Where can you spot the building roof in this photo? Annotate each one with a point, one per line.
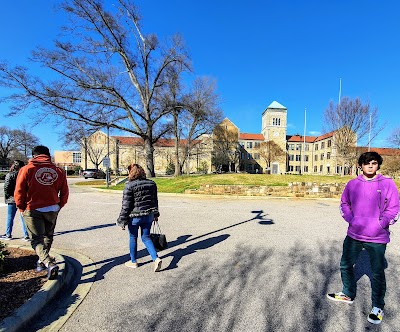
(255, 137)
(126, 140)
(381, 151)
(324, 136)
(299, 138)
(276, 105)
(309, 139)
(138, 141)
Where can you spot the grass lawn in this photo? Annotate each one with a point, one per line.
(180, 184)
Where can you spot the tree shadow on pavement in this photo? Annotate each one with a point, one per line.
(257, 289)
(259, 216)
(192, 248)
(86, 229)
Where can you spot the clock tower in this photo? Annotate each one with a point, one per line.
(274, 123)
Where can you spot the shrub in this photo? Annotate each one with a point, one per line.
(3, 254)
(170, 170)
(3, 176)
(203, 167)
(77, 170)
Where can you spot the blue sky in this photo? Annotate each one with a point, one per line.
(294, 52)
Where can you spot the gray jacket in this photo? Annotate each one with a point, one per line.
(9, 187)
(139, 199)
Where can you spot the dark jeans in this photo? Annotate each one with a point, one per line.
(41, 230)
(376, 252)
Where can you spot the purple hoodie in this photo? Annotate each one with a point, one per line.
(370, 206)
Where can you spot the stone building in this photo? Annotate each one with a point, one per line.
(244, 152)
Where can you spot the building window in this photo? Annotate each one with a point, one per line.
(322, 145)
(306, 157)
(256, 156)
(249, 145)
(290, 169)
(291, 146)
(291, 157)
(249, 156)
(307, 147)
(321, 168)
(298, 147)
(315, 169)
(76, 157)
(316, 147)
(328, 170)
(242, 155)
(276, 121)
(322, 156)
(328, 155)
(297, 168)
(298, 157)
(305, 169)
(241, 144)
(249, 167)
(316, 157)
(329, 143)
(257, 145)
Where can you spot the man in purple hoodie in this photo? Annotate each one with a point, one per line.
(370, 204)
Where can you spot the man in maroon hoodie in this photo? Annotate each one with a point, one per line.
(40, 192)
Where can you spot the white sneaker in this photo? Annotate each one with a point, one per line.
(132, 265)
(157, 264)
(376, 315)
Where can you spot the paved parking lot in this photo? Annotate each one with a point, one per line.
(238, 264)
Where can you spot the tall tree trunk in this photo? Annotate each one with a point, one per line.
(149, 150)
(176, 134)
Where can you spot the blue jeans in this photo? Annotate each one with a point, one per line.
(376, 252)
(144, 222)
(11, 211)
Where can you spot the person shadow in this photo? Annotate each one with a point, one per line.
(259, 216)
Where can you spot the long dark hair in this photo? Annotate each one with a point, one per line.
(16, 165)
(136, 172)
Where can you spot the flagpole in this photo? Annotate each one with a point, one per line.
(304, 142)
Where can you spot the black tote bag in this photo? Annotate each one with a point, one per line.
(157, 237)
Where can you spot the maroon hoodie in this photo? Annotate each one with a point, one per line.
(39, 184)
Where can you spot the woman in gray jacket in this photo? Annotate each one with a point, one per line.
(9, 187)
(139, 209)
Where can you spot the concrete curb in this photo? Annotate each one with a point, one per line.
(30, 309)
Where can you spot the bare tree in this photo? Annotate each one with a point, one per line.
(226, 147)
(108, 73)
(76, 136)
(7, 144)
(203, 113)
(25, 141)
(351, 121)
(270, 151)
(194, 114)
(394, 138)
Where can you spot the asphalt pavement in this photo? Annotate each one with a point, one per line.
(233, 264)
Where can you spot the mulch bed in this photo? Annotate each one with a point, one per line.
(19, 281)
